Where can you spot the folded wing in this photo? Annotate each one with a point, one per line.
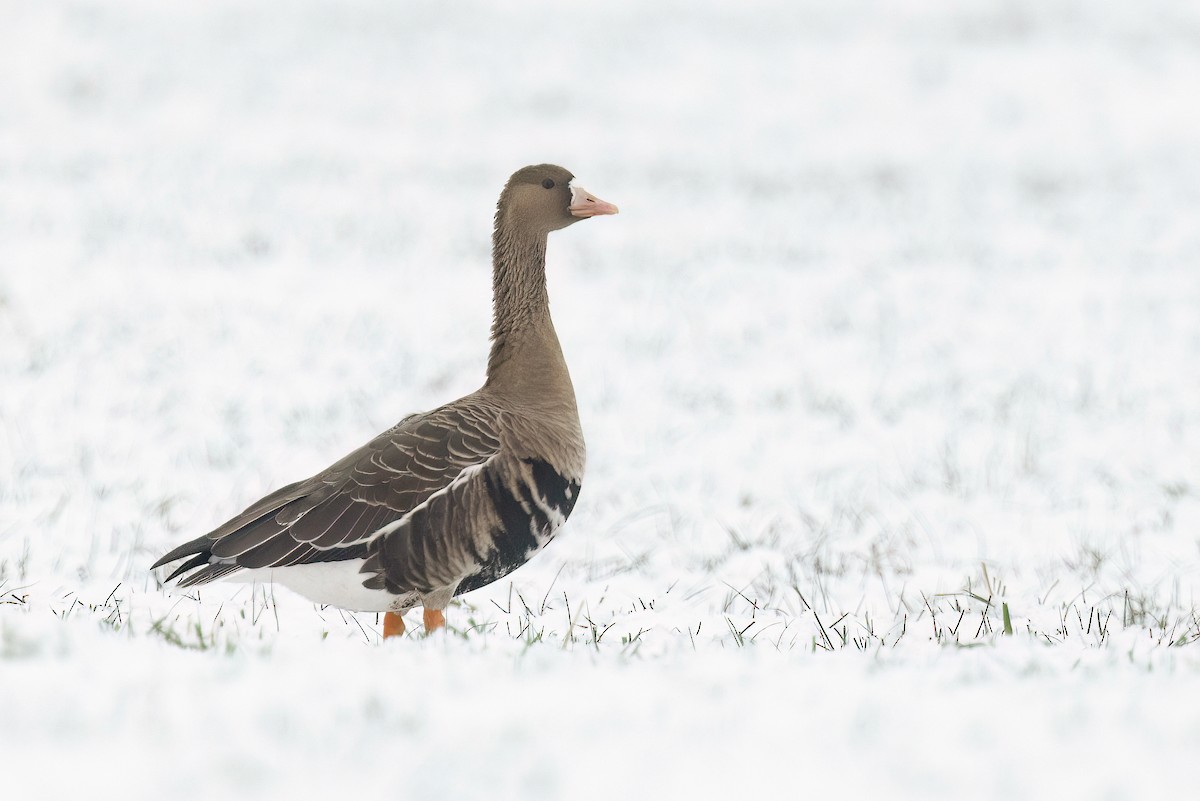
(336, 514)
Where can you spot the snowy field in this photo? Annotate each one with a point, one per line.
(889, 370)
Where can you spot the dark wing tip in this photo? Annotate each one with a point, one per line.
(200, 549)
(196, 546)
(196, 561)
(201, 544)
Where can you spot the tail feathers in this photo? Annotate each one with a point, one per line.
(209, 573)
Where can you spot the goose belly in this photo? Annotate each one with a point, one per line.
(337, 584)
(530, 511)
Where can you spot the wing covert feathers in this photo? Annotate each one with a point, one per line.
(335, 513)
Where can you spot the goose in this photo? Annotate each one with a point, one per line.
(449, 500)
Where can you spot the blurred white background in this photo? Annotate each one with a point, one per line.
(898, 323)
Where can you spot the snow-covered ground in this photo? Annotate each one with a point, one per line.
(898, 332)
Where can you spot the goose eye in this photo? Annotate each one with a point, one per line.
(548, 183)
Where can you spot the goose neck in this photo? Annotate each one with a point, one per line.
(526, 359)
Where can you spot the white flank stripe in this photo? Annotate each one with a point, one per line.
(464, 475)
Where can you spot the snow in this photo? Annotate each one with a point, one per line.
(897, 330)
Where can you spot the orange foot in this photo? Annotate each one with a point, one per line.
(434, 620)
(393, 624)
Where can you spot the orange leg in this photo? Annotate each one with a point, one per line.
(434, 620)
(393, 624)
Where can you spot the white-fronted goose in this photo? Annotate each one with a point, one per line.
(449, 500)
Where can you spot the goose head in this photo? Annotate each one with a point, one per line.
(544, 197)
